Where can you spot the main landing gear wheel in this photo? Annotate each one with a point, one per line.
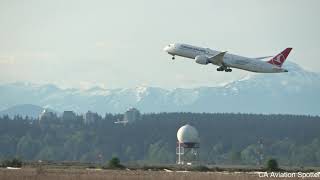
(223, 68)
(173, 57)
(220, 69)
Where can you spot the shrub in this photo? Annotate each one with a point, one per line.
(201, 168)
(272, 165)
(15, 162)
(92, 167)
(114, 163)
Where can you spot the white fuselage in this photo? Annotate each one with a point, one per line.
(229, 60)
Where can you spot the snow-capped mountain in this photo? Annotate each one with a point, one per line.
(295, 92)
(23, 110)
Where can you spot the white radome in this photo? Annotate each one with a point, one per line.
(188, 134)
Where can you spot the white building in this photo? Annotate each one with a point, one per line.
(90, 117)
(68, 115)
(46, 114)
(131, 115)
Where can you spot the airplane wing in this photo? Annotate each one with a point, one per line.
(264, 57)
(218, 59)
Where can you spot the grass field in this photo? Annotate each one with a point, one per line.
(92, 174)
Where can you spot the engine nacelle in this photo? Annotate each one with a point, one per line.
(202, 60)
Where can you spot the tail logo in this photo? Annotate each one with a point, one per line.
(279, 59)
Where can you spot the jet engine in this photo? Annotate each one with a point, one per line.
(202, 60)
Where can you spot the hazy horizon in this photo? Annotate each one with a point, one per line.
(118, 44)
(85, 87)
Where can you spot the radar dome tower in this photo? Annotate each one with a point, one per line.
(188, 145)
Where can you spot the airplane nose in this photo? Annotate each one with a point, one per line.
(166, 49)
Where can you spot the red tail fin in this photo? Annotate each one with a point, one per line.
(279, 59)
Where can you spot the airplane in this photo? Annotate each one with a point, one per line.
(226, 61)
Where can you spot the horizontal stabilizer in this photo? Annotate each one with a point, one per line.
(264, 57)
(217, 59)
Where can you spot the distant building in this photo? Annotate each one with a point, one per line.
(131, 115)
(68, 115)
(46, 114)
(90, 117)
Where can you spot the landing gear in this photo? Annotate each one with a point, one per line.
(223, 68)
(220, 68)
(173, 58)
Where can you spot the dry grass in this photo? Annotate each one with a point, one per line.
(82, 174)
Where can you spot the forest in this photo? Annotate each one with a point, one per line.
(225, 138)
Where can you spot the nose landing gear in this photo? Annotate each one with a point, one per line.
(173, 58)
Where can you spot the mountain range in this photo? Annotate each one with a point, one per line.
(295, 92)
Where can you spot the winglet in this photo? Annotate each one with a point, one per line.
(279, 59)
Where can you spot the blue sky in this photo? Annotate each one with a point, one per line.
(114, 44)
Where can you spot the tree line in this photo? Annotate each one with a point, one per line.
(225, 138)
